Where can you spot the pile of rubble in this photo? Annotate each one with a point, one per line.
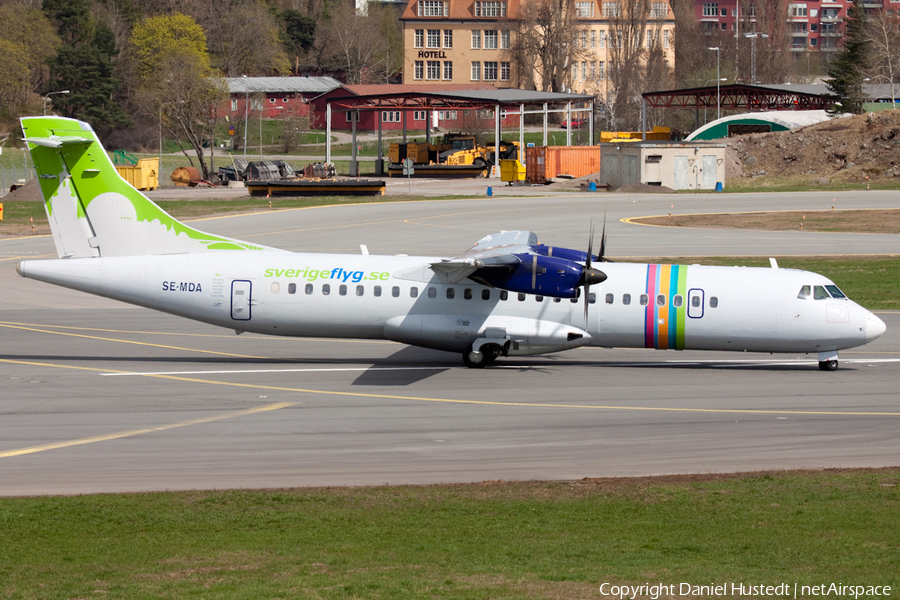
(850, 149)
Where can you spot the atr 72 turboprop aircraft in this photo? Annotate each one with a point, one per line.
(507, 295)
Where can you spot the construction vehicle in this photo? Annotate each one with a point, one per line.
(454, 155)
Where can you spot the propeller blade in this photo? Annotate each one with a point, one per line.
(587, 264)
(603, 239)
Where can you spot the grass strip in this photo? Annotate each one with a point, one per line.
(498, 540)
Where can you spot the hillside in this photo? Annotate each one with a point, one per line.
(851, 149)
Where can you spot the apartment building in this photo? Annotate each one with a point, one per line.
(812, 25)
(469, 41)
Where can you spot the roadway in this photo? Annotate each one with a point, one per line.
(97, 396)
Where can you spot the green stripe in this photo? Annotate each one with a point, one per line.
(682, 310)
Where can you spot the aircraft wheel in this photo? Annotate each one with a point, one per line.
(479, 360)
(828, 365)
(475, 360)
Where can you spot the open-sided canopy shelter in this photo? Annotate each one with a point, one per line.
(512, 101)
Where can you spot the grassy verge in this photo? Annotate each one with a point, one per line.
(804, 184)
(872, 281)
(497, 540)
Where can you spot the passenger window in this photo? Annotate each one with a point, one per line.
(451, 293)
(413, 292)
(644, 299)
(485, 294)
(574, 300)
(819, 293)
(395, 291)
(376, 291)
(292, 288)
(557, 299)
(521, 297)
(326, 289)
(342, 290)
(539, 298)
(360, 290)
(592, 298)
(504, 295)
(626, 299)
(275, 287)
(677, 301)
(713, 302)
(467, 293)
(309, 289)
(835, 292)
(804, 293)
(610, 298)
(432, 293)
(660, 300)
(695, 301)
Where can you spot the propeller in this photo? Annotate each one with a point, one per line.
(590, 275)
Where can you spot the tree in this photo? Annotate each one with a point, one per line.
(177, 83)
(363, 48)
(87, 71)
(72, 19)
(30, 30)
(884, 46)
(545, 44)
(14, 76)
(848, 69)
(243, 37)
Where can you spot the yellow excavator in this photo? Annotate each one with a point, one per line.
(454, 155)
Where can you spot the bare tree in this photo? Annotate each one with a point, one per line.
(242, 37)
(546, 44)
(884, 50)
(637, 60)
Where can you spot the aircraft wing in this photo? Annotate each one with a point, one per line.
(495, 251)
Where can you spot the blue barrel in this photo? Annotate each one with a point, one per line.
(490, 191)
(593, 186)
(719, 187)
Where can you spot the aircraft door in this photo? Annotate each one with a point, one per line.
(695, 303)
(241, 292)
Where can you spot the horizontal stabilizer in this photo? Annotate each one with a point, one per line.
(57, 141)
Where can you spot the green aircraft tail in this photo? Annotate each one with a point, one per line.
(92, 210)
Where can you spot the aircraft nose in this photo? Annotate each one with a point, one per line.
(875, 327)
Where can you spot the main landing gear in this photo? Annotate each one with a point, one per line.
(485, 355)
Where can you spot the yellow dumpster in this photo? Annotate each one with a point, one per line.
(511, 170)
(144, 175)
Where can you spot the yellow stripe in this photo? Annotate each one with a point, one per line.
(123, 434)
(94, 337)
(199, 335)
(119, 435)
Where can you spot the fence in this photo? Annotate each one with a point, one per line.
(10, 176)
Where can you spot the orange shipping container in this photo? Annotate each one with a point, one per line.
(545, 162)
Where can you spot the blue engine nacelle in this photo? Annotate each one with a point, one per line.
(541, 275)
(564, 253)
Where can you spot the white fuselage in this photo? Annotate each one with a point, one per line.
(400, 298)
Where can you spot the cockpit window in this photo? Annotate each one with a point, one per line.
(835, 292)
(819, 293)
(804, 292)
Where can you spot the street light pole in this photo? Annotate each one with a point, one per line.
(48, 96)
(159, 168)
(246, 112)
(753, 37)
(718, 82)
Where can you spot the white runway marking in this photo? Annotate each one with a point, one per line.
(282, 371)
(713, 363)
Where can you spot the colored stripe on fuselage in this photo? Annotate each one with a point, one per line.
(664, 325)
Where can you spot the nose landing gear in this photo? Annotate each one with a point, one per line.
(828, 361)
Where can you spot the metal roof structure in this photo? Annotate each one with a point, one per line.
(455, 99)
(279, 85)
(514, 101)
(745, 97)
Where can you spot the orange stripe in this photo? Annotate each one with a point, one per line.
(662, 320)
